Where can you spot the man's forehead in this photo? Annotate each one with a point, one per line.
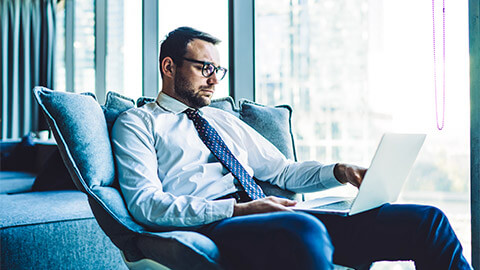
(202, 50)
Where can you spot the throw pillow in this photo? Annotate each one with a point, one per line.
(274, 123)
(80, 129)
(115, 104)
(144, 100)
(227, 104)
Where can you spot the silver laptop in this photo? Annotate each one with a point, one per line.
(383, 181)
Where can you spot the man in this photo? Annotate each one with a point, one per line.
(184, 165)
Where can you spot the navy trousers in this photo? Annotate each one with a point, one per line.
(285, 240)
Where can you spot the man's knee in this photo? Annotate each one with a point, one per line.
(429, 217)
(301, 227)
(427, 224)
(415, 214)
(304, 239)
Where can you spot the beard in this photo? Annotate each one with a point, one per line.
(185, 90)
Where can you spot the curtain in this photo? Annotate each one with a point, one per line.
(27, 57)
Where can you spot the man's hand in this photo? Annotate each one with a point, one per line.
(265, 205)
(352, 174)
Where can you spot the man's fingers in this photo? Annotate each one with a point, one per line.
(282, 201)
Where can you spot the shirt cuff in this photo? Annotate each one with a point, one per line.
(220, 209)
(329, 180)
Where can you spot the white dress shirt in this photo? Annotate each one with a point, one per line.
(170, 178)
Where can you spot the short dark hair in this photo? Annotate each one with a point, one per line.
(175, 43)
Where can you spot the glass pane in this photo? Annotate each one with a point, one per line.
(354, 69)
(124, 48)
(211, 18)
(84, 46)
(59, 72)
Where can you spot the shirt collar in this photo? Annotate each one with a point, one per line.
(170, 104)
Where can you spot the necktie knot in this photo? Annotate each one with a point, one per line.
(191, 114)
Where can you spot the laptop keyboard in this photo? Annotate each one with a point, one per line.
(343, 205)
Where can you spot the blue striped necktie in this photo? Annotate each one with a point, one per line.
(220, 150)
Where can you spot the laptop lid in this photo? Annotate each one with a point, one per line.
(388, 171)
(384, 179)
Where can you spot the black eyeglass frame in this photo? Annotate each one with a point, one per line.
(205, 72)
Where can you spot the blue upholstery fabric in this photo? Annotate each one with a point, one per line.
(144, 100)
(226, 104)
(274, 123)
(56, 224)
(16, 182)
(16, 209)
(80, 127)
(115, 104)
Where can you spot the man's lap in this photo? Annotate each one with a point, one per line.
(281, 240)
(390, 232)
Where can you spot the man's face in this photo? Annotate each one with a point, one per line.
(190, 86)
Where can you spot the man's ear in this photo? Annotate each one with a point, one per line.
(168, 66)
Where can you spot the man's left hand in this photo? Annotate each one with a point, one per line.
(346, 173)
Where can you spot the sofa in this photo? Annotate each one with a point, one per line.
(60, 205)
(46, 227)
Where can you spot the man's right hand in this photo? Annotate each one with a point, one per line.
(265, 205)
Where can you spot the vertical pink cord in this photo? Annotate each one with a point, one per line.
(439, 126)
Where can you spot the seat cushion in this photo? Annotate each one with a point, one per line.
(16, 182)
(35, 226)
(42, 207)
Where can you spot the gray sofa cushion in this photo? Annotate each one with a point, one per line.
(115, 104)
(274, 123)
(48, 206)
(226, 104)
(16, 182)
(53, 230)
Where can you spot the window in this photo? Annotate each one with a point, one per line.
(353, 70)
(75, 67)
(84, 46)
(211, 18)
(60, 72)
(124, 48)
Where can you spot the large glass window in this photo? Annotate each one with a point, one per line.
(354, 69)
(84, 46)
(124, 48)
(60, 72)
(211, 18)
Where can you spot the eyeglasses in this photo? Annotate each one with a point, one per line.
(208, 68)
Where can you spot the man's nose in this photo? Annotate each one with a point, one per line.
(212, 80)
